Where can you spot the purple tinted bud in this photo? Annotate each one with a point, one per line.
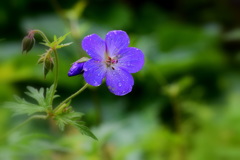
(28, 42)
(76, 69)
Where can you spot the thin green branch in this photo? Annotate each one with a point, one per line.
(23, 123)
(56, 75)
(42, 34)
(72, 96)
(28, 120)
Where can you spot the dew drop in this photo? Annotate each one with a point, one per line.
(95, 83)
(119, 84)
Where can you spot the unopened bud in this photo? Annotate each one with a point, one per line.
(77, 67)
(48, 65)
(28, 42)
(47, 61)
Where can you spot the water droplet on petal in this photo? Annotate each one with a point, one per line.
(119, 84)
(95, 83)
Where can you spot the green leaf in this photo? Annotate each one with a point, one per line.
(85, 130)
(56, 42)
(21, 106)
(45, 43)
(38, 95)
(50, 91)
(70, 117)
(64, 45)
(54, 37)
(67, 118)
(62, 38)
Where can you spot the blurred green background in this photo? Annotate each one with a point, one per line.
(185, 104)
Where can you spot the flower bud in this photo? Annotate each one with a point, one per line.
(28, 42)
(48, 66)
(47, 61)
(77, 67)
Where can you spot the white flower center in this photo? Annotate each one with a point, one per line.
(110, 62)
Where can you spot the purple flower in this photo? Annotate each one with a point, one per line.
(77, 68)
(113, 60)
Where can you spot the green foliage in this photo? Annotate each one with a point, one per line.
(63, 116)
(85, 130)
(21, 106)
(56, 42)
(70, 117)
(40, 96)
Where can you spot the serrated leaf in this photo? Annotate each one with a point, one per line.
(85, 130)
(45, 43)
(50, 91)
(40, 97)
(56, 43)
(54, 37)
(64, 45)
(72, 118)
(21, 106)
(67, 118)
(62, 38)
(37, 95)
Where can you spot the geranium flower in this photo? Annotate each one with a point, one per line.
(113, 60)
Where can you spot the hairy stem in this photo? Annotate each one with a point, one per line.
(41, 34)
(56, 62)
(56, 75)
(23, 123)
(71, 97)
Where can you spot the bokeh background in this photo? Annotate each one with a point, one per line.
(185, 104)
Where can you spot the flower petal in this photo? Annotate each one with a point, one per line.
(94, 46)
(131, 59)
(94, 72)
(119, 81)
(76, 69)
(115, 41)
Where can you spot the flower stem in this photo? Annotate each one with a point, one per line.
(42, 34)
(71, 97)
(23, 123)
(29, 119)
(56, 61)
(56, 75)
